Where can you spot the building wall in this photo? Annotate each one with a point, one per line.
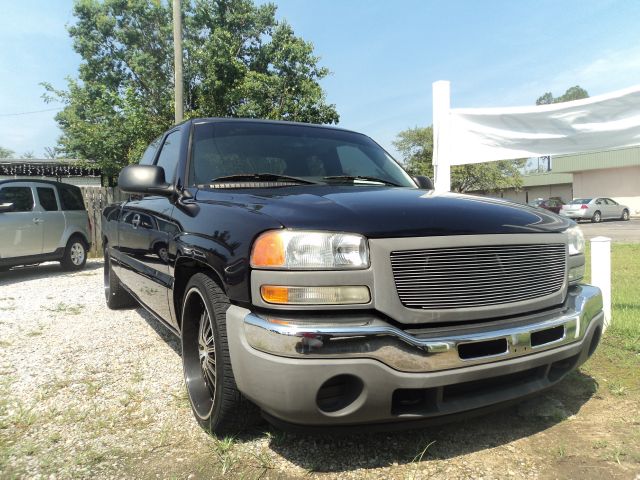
(527, 194)
(621, 184)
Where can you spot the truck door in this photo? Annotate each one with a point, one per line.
(144, 233)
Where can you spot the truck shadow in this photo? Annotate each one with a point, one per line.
(163, 332)
(338, 453)
(45, 270)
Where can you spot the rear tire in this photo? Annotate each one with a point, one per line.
(75, 254)
(625, 215)
(597, 217)
(116, 296)
(216, 402)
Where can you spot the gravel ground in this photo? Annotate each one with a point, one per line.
(87, 392)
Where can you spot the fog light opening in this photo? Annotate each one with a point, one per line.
(338, 393)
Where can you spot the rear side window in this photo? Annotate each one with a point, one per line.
(169, 155)
(47, 199)
(70, 198)
(21, 197)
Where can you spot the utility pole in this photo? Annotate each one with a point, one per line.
(177, 60)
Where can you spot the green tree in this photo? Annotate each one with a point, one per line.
(6, 153)
(50, 153)
(416, 147)
(574, 93)
(28, 154)
(239, 61)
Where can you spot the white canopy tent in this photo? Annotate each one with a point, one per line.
(475, 135)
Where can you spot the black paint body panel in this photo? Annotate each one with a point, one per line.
(216, 227)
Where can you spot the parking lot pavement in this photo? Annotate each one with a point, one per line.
(617, 230)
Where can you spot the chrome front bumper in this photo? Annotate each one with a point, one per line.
(355, 335)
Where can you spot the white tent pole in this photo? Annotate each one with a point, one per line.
(441, 138)
(601, 273)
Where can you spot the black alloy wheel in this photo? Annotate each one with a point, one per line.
(215, 400)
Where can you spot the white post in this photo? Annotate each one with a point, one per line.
(441, 138)
(601, 273)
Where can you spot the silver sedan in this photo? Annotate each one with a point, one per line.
(595, 209)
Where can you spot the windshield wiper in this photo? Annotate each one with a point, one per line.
(269, 177)
(360, 177)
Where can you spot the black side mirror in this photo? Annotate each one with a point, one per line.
(6, 207)
(423, 183)
(144, 179)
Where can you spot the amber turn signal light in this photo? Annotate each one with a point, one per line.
(268, 251)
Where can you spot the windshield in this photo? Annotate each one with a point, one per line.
(318, 155)
(578, 201)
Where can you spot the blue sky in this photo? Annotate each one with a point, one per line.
(384, 57)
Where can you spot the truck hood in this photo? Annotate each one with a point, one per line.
(379, 212)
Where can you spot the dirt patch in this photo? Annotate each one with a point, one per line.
(85, 391)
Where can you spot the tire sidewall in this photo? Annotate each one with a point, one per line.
(67, 262)
(625, 215)
(597, 217)
(197, 282)
(108, 273)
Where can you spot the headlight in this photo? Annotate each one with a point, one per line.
(576, 240)
(305, 250)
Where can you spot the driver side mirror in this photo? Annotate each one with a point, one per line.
(144, 179)
(423, 183)
(6, 207)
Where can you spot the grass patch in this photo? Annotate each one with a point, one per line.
(62, 307)
(625, 295)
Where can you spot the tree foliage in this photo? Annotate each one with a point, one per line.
(574, 93)
(6, 153)
(416, 147)
(239, 61)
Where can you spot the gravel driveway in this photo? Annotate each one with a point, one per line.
(87, 392)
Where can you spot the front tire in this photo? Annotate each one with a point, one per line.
(625, 215)
(216, 402)
(75, 254)
(116, 296)
(597, 217)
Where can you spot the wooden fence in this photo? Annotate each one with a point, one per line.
(95, 199)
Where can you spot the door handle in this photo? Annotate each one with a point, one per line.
(38, 220)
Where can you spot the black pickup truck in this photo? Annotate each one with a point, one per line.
(312, 280)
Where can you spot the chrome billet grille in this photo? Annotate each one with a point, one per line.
(467, 277)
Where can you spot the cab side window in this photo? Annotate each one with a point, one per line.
(21, 197)
(47, 199)
(169, 155)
